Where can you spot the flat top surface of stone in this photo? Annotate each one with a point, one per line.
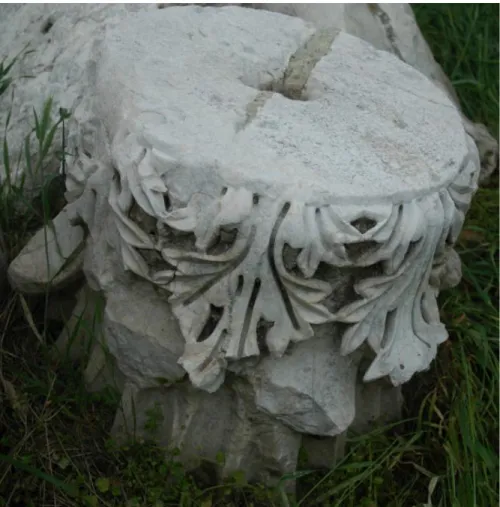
(369, 127)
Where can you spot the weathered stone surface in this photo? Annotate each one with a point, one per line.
(447, 274)
(393, 28)
(52, 257)
(223, 429)
(404, 106)
(311, 389)
(88, 192)
(62, 37)
(140, 330)
(487, 147)
(54, 44)
(390, 140)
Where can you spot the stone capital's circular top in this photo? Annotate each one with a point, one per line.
(232, 96)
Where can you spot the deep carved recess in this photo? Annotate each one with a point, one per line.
(257, 262)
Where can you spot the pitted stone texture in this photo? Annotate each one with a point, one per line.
(393, 28)
(449, 273)
(102, 263)
(52, 258)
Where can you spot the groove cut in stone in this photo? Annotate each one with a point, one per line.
(211, 323)
(364, 224)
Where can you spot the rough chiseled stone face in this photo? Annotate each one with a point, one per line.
(270, 206)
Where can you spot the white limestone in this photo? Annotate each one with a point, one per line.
(225, 170)
(220, 82)
(53, 43)
(270, 210)
(311, 389)
(146, 340)
(60, 38)
(51, 259)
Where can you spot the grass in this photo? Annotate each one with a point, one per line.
(464, 40)
(54, 445)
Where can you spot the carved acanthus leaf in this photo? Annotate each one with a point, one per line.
(398, 314)
(248, 281)
(235, 264)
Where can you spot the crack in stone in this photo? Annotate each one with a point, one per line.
(295, 76)
(384, 18)
(253, 108)
(303, 61)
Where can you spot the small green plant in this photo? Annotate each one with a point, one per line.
(21, 213)
(6, 68)
(154, 417)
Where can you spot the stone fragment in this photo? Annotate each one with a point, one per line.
(310, 389)
(223, 430)
(449, 272)
(142, 334)
(391, 141)
(487, 146)
(291, 193)
(51, 259)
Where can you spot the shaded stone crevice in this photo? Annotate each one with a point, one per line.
(253, 108)
(303, 62)
(389, 31)
(296, 75)
(301, 65)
